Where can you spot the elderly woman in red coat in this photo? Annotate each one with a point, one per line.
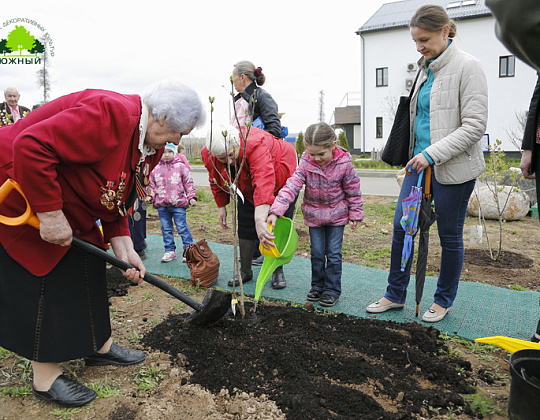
(269, 163)
(76, 159)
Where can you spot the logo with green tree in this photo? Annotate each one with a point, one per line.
(19, 40)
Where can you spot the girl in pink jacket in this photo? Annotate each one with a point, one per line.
(332, 199)
(172, 192)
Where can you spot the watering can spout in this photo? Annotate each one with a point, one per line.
(286, 242)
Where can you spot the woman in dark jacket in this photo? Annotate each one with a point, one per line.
(251, 103)
(518, 27)
(257, 101)
(530, 158)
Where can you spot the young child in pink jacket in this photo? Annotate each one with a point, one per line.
(332, 199)
(172, 192)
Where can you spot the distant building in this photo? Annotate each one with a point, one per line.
(349, 119)
(389, 67)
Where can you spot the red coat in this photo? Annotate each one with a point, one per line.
(269, 163)
(62, 155)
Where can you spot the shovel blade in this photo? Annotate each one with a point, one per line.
(214, 306)
(509, 344)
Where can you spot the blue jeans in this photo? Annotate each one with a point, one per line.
(166, 216)
(326, 258)
(451, 205)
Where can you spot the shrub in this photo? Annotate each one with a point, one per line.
(300, 146)
(342, 141)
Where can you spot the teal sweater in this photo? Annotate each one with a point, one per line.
(421, 122)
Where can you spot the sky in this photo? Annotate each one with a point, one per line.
(303, 48)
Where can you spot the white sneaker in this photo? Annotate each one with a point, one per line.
(169, 256)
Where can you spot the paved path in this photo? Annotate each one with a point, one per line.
(375, 182)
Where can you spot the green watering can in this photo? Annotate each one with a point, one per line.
(286, 242)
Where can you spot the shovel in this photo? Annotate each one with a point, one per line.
(213, 307)
(509, 344)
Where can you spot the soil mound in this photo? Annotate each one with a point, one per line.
(320, 366)
(508, 259)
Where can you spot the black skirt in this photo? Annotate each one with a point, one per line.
(61, 316)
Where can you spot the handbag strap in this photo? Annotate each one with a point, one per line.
(414, 84)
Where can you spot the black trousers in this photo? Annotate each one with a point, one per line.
(58, 317)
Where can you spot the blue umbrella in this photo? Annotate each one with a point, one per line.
(409, 220)
(425, 219)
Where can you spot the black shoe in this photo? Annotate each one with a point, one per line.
(117, 356)
(278, 279)
(142, 254)
(534, 339)
(245, 278)
(328, 300)
(314, 295)
(258, 261)
(66, 392)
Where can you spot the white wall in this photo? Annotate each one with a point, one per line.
(395, 48)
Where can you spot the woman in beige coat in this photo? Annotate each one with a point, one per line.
(448, 120)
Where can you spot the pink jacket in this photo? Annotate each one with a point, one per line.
(171, 184)
(183, 159)
(332, 196)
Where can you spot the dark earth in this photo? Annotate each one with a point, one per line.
(321, 367)
(318, 365)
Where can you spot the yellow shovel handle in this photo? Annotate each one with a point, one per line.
(28, 217)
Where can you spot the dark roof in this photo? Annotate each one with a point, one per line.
(398, 14)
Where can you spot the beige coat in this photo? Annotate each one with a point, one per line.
(458, 115)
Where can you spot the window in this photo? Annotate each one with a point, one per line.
(379, 128)
(382, 76)
(507, 66)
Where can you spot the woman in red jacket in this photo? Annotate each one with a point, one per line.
(76, 158)
(269, 163)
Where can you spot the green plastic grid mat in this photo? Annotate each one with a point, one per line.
(480, 310)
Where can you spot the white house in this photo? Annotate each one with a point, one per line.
(389, 59)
